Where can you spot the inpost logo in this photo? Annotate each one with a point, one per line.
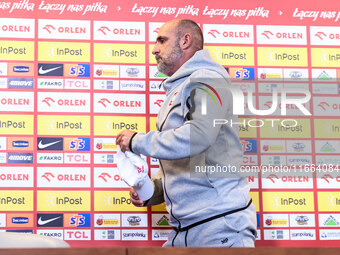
(15, 200)
(16, 124)
(63, 125)
(288, 201)
(61, 51)
(111, 126)
(119, 53)
(329, 201)
(322, 57)
(63, 200)
(14, 50)
(114, 201)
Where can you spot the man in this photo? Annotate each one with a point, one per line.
(205, 209)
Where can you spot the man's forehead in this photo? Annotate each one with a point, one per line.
(167, 29)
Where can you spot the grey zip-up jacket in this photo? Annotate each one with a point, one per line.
(187, 139)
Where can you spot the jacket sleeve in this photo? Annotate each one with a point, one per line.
(195, 135)
(158, 195)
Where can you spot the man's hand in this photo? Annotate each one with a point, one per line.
(123, 139)
(135, 198)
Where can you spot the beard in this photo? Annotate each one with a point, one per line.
(166, 63)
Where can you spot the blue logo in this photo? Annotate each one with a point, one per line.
(20, 220)
(80, 144)
(80, 70)
(249, 146)
(21, 69)
(20, 83)
(245, 74)
(20, 158)
(20, 144)
(81, 220)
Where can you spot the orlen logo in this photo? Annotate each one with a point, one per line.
(49, 28)
(106, 177)
(213, 32)
(159, 102)
(320, 35)
(104, 102)
(104, 29)
(267, 34)
(272, 178)
(325, 106)
(328, 178)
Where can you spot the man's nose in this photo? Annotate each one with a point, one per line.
(155, 49)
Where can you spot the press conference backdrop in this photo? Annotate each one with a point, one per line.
(75, 73)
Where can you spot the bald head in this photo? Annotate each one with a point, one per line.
(184, 26)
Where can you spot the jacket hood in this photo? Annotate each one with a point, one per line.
(200, 60)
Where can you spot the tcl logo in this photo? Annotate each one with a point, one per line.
(106, 176)
(77, 235)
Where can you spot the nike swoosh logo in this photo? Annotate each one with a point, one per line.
(42, 71)
(43, 146)
(44, 222)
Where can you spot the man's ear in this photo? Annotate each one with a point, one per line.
(186, 41)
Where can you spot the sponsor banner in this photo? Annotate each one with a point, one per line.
(50, 69)
(266, 103)
(112, 125)
(77, 70)
(119, 53)
(329, 201)
(327, 128)
(104, 144)
(77, 158)
(64, 125)
(50, 158)
(299, 146)
(159, 208)
(302, 220)
(290, 74)
(50, 83)
(331, 162)
(232, 56)
(108, 177)
(50, 143)
(154, 161)
(107, 220)
(333, 89)
(17, 50)
(77, 144)
(256, 201)
(325, 57)
(329, 234)
(249, 146)
(19, 220)
(324, 75)
(134, 235)
(114, 201)
(153, 30)
(134, 220)
(160, 234)
(104, 158)
(3, 82)
(16, 176)
(119, 30)
(63, 200)
(154, 73)
(64, 29)
(270, 74)
(132, 85)
(287, 180)
(160, 220)
(64, 51)
(250, 160)
(276, 234)
(79, 84)
(329, 220)
(156, 102)
(270, 87)
(327, 178)
(71, 177)
(20, 83)
(77, 234)
(228, 34)
(242, 73)
(278, 56)
(302, 234)
(155, 86)
(299, 160)
(59, 234)
(110, 71)
(20, 102)
(20, 69)
(273, 146)
(3, 69)
(324, 35)
(19, 158)
(253, 181)
(2, 220)
(48, 220)
(119, 103)
(132, 72)
(16, 28)
(63, 102)
(327, 146)
(246, 131)
(19, 143)
(22, 231)
(108, 84)
(273, 160)
(326, 106)
(3, 158)
(286, 128)
(287, 35)
(245, 87)
(82, 220)
(106, 234)
(288, 201)
(16, 200)
(3, 144)
(275, 220)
